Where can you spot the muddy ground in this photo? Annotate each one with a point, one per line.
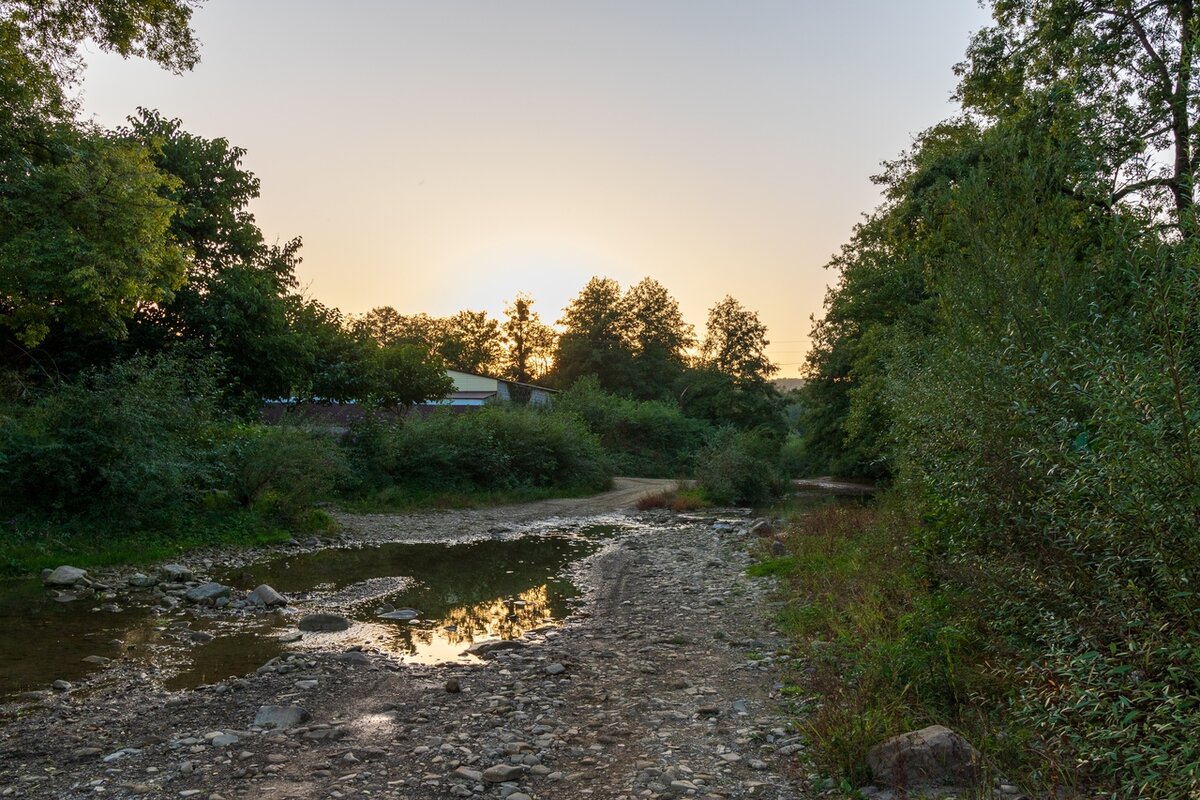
(664, 683)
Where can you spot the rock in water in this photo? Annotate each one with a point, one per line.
(933, 756)
(492, 646)
(265, 595)
(323, 622)
(280, 716)
(175, 573)
(64, 576)
(401, 614)
(207, 593)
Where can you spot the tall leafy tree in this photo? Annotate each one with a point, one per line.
(595, 337)
(658, 336)
(471, 341)
(529, 342)
(1125, 70)
(735, 343)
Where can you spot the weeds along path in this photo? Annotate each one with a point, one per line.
(663, 684)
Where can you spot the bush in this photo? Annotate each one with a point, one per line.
(738, 468)
(648, 439)
(495, 449)
(281, 471)
(134, 445)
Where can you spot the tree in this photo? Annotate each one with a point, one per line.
(1122, 72)
(213, 194)
(658, 336)
(528, 341)
(471, 342)
(405, 374)
(595, 339)
(735, 344)
(84, 237)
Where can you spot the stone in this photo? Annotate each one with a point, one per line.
(932, 756)
(555, 669)
(323, 623)
(224, 740)
(452, 686)
(401, 614)
(264, 595)
(292, 636)
(61, 686)
(99, 661)
(207, 593)
(761, 528)
(306, 685)
(493, 646)
(174, 573)
(280, 716)
(139, 581)
(64, 576)
(352, 657)
(473, 775)
(502, 772)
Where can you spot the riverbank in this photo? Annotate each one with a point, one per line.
(664, 681)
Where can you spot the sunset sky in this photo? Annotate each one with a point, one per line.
(447, 154)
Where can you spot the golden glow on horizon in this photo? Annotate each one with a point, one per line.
(436, 157)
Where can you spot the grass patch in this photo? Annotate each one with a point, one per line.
(679, 499)
(402, 498)
(31, 550)
(781, 567)
(883, 651)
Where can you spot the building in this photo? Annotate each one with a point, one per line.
(477, 390)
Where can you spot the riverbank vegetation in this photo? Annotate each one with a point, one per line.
(1012, 344)
(145, 319)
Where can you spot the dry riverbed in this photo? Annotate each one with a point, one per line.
(662, 683)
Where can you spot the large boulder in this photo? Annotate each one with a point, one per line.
(64, 576)
(933, 756)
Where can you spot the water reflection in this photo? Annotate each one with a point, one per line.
(465, 593)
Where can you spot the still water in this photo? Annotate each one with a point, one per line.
(462, 593)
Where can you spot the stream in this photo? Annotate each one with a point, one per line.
(461, 592)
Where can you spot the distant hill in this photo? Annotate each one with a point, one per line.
(787, 384)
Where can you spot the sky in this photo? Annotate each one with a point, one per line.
(448, 154)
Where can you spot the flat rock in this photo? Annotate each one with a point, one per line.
(139, 581)
(280, 716)
(64, 576)
(493, 646)
(502, 772)
(175, 573)
(323, 623)
(207, 592)
(401, 614)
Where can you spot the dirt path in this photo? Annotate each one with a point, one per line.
(663, 684)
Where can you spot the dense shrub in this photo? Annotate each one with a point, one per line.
(281, 471)
(134, 445)
(642, 438)
(497, 448)
(739, 468)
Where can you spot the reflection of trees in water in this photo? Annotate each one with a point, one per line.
(501, 617)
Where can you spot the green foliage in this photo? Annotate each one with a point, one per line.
(281, 472)
(642, 438)
(497, 448)
(83, 237)
(739, 468)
